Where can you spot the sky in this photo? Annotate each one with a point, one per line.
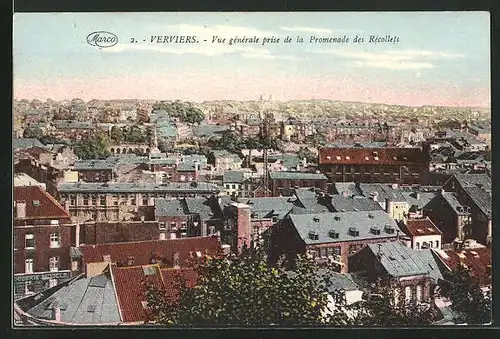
(441, 58)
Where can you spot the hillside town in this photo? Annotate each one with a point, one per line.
(110, 193)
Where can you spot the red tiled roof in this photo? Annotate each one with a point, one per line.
(368, 156)
(36, 151)
(143, 252)
(423, 226)
(477, 261)
(131, 293)
(48, 208)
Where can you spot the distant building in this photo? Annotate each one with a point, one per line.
(283, 183)
(371, 165)
(423, 233)
(236, 184)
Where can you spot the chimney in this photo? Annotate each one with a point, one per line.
(394, 186)
(375, 196)
(417, 195)
(441, 191)
(66, 205)
(379, 253)
(56, 313)
(21, 209)
(77, 235)
(388, 206)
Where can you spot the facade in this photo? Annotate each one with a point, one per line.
(423, 233)
(377, 164)
(43, 235)
(225, 161)
(124, 201)
(332, 237)
(284, 183)
(236, 184)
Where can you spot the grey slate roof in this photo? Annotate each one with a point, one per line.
(23, 143)
(341, 222)
(78, 297)
(385, 191)
(233, 177)
(169, 208)
(342, 282)
(340, 203)
(200, 206)
(186, 167)
(453, 202)
(289, 160)
(423, 198)
(349, 187)
(73, 124)
(117, 187)
(399, 260)
(481, 198)
(296, 176)
(468, 180)
(261, 208)
(112, 162)
(225, 154)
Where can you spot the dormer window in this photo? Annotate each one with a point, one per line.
(367, 158)
(389, 229)
(338, 157)
(376, 158)
(375, 230)
(36, 203)
(333, 234)
(347, 158)
(328, 157)
(313, 235)
(353, 232)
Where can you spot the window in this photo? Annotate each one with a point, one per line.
(54, 264)
(133, 202)
(162, 236)
(102, 200)
(173, 224)
(54, 240)
(430, 244)
(29, 288)
(28, 265)
(183, 225)
(176, 259)
(407, 293)
(145, 201)
(437, 244)
(52, 283)
(72, 200)
(74, 265)
(85, 200)
(94, 200)
(36, 203)
(417, 245)
(29, 241)
(419, 293)
(211, 230)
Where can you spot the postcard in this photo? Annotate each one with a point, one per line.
(251, 169)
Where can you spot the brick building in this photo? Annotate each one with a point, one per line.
(43, 235)
(374, 164)
(284, 183)
(332, 237)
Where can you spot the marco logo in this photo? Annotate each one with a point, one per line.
(102, 39)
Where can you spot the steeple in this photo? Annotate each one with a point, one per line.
(155, 148)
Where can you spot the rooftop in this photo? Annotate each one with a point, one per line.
(23, 143)
(420, 227)
(233, 177)
(372, 156)
(296, 176)
(170, 208)
(399, 260)
(476, 260)
(118, 187)
(39, 203)
(348, 226)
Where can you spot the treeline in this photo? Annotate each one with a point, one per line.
(185, 111)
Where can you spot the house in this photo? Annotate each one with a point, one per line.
(331, 237)
(283, 183)
(474, 191)
(236, 184)
(450, 216)
(416, 271)
(422, 232)
(102, 232)
(43, 235)
(22, 179)
(225, 161)
(374, 164)
(25, 143)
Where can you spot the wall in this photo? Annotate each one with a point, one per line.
(426, 238)
(109, 232)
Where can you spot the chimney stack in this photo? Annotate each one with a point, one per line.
(56, 313)
(21, 209)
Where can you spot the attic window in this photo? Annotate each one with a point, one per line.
(313, 235)
(36, 202)
(338, 157)
(328, 157)
(375, 230)
(370, 215)
(91, 308)
(353, 231)
(337, 218)
(347, 158)
(148, 270)
(130, 261)
(367, 158)
(106, 258)
(389, 229)
(333, 234)
(405, 158)
(394, 158)
(316, 219)
(198, 254)
(376, 158)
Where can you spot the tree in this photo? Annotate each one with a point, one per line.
(308, 154)
(383, 305)
(117, 134)
(92, 147)
(134, 135)
(471, 305)
(32, 132)
(244, 291)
